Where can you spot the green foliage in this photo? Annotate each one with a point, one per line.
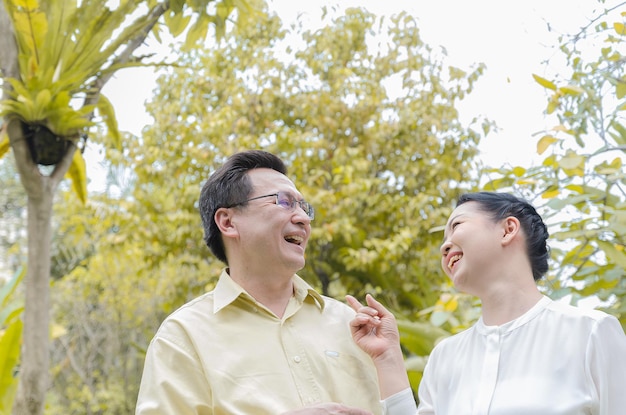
(10, 341)
(582, 181)
(65, 48)
(382, 170)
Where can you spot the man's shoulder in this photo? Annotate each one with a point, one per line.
(199, 307)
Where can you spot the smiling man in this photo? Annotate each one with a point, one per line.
(263, 341)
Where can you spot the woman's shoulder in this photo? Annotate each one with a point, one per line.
(567, 310)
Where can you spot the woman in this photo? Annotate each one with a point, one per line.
(527, 354)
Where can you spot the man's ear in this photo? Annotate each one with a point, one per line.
(224, 221)
(510, 229)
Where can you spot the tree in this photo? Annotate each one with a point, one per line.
(582, 180)
(52, 54)
(382, 170)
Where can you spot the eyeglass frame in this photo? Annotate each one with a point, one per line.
(304, 205)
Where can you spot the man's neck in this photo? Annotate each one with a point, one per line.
(273, 291)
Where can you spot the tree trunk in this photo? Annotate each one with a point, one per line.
(35, 354)
(40, 190)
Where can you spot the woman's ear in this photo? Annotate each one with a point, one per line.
(510, 229)
(224, 221)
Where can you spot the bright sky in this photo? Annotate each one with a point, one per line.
(510, 37)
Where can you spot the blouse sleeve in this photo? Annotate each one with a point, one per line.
(606, 357)
(401, 403)
(425, 392)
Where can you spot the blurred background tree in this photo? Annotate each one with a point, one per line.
(365, 114)
(55, 57)
(581, 183)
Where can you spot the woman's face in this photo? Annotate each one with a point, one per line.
(471, 248)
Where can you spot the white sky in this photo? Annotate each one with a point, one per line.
(510, 37)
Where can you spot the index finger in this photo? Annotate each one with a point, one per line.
(353, 302)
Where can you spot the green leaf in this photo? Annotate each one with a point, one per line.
(78, 174)
(176, 23)
(620, 88)
(613, 253)
(9, 287)
(572, 161)
(10, 342)
(108, 115)
(419, 337)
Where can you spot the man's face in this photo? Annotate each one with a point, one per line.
(272, 237)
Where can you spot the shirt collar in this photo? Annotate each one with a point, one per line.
(227, 290)
(518, 322)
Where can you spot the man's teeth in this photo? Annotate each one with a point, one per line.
(453, 260)
(294, 239)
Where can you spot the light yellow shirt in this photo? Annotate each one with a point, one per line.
(224, 353)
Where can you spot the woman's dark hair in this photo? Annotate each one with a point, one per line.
(502, 205)
(230, 185)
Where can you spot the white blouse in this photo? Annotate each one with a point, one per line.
(553, 360)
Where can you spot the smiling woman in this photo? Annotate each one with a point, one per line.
(526, 354)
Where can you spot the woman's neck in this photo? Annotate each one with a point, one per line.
(499, 308)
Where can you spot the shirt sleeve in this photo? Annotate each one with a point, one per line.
(163, 390)
(401, 403)
(606, 357)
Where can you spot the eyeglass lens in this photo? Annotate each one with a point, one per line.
(287, 201)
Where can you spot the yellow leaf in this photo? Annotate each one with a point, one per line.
(620, 89)
(519, 171)
(78, 174)
(619, 28)
(550, 193)
(552, 105)
(616, 163)
(571, 89)
(31, 27)
(451, 305)
(575, 188)
(545, 142)
(5, 144)
(108, 115)
(544, 82)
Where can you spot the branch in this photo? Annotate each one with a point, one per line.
(63, 166)
(98, 84)
(29, 173)
(127, 53)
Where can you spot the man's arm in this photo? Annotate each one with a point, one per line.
(172, 382)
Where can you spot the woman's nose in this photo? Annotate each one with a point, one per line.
(445, 247)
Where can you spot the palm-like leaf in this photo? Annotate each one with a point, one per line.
(62, 49)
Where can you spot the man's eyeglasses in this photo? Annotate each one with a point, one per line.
(286, 201)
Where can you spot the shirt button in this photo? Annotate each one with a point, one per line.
(297, 359)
